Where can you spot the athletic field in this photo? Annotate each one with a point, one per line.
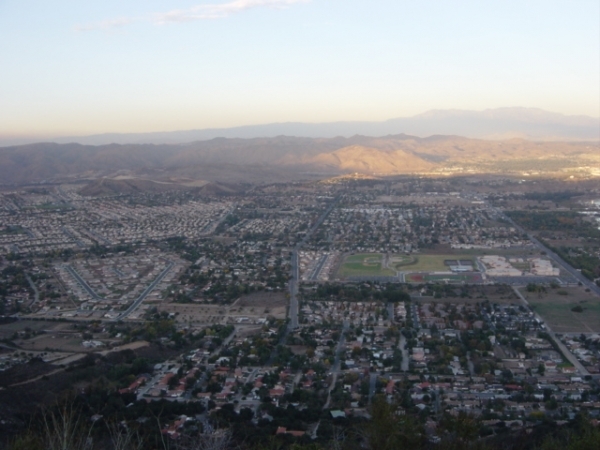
(365, 265)
(454, 278)
(432, 263)
(372, 264)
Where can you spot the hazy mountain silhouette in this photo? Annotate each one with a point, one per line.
(501, 123)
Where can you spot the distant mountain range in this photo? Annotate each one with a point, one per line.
(286, 158)
(501, 123)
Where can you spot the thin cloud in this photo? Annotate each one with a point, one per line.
(195, 13)
(107, 24)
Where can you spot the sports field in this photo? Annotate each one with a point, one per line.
(555, 309)
(420, 277)
(432, 263)
(364, 265)
(372, 264)
(399, 262)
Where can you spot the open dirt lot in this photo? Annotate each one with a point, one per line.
(250, 309)
(500, 294)
(8, 330)
(55, 342)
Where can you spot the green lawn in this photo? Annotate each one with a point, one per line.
(364, 264)
(52, 206)
(369, 264)
(432, 263)
(556, 311)
(401, 261)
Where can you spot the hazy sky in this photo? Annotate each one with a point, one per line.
(90, 66)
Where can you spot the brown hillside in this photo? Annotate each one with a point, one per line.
(281, 157)
(357, 158)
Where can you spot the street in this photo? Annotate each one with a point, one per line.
(147, 291)
(295, 274)
(565, 351)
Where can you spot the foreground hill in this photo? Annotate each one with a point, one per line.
(287, 157)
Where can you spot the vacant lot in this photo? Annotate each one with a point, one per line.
(55, 342)
(31, 327)
(555, 307)
(247, 310)
(477, 293)
(262, 299)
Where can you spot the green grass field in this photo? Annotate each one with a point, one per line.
(432, 263)
(364, 264)
(370, 264)
(52, 206)
(555, 309)
(401, 261)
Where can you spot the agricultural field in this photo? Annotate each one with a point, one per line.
(555, 307)
(365, 264)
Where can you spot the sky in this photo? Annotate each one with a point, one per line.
(73, 67)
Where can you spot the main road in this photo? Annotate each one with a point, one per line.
(318, 267)
(336, 367)
(561, 262)
(295, 272)
(557, 259)
(565, 351)
(294, 291)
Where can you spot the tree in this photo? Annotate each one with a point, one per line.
(218, 440)
(65, 426)
(459, 429)
(541, 369)
(390, 431)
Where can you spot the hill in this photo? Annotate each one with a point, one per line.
(357, 158)
(109, 187)
(131, 166)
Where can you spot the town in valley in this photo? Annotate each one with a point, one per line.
(291, 310)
